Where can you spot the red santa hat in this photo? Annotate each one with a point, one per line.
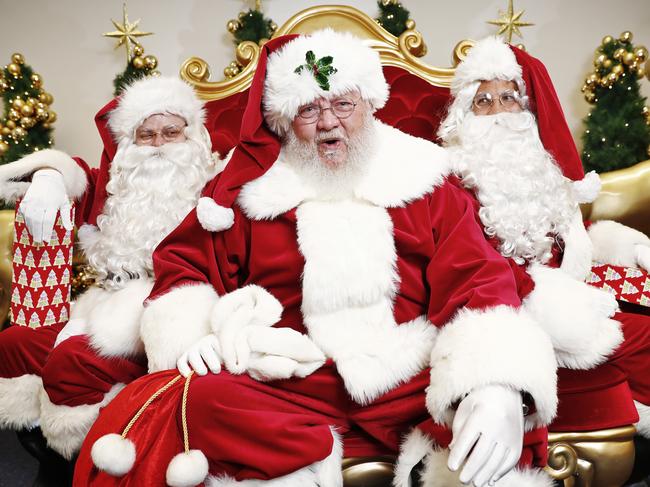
(490, 59)
(283, 82)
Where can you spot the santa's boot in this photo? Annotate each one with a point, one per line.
(53, 469)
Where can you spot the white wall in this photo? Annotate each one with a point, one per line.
(62, 41)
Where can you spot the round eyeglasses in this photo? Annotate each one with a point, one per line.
(168, 134)
(341, 108)
(508, 99)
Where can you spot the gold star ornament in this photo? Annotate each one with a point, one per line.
(509, 22)
(126, 33)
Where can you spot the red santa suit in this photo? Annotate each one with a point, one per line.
(62, 388)
(391, 279)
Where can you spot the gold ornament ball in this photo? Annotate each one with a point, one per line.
(599, 60)
(607, 40)
(27, 122)
(241, 15)
(14, 114)
(17, 58)
(608, 63)
(150, 62)
(137, 62)
(584, 88)
(27, 110)
(410, 24)
(618, 69)
(232, 26)
(19, 133)
(626, 36)
(647, 70)
(51, 118)
(640, 72)
(641, 53)
(645, 110)
(3, 86)
(42, 114)
(628, 58)
(10, 124)
(612, 77)
(593, 78)
(619, 53)
(590, 97)
(138, 50)
(14, 69)
(47, 98)
(46, 125)
(18, 103)
(5, 131)
(36, 80)
(4, 147)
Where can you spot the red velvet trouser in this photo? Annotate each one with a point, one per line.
(73, 373)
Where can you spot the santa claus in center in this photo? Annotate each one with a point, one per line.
(58, 377)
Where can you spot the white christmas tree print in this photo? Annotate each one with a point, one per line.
(66, 238)
(49, 318)
(58, 297)
(22, 278)
(15, 296)
(21, 318)
(59, 260)
(18, 256)
(34, 321)
(19, 217)
(65, 278)
(29, 260)
(45, 260)
(42, 300)
(28, 302)
(36, 281)
(54, 241)
(51, 279)
(63, 317)
(24, 237)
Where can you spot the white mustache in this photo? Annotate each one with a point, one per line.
(477, 126)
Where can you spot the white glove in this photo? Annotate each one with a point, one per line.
(71, 329)
(642, 254)
(44, 197)
(204, 352)
(489, 423)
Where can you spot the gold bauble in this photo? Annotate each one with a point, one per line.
(619, 53)
(14, 69)
(647, 70)
(48, 99)
(52, 117)
(590, 96)
(233, 26)
(18, 103)
(599, 60)
(137, 62)
(640, 72)
(46, 125)
(4, 147)
(14, 114)
(10, 124)
(150, 62)
(626, 36)
(584, 88)
(612, 77)
(241, 15)
(618, 69)
(607, 40)
(27, 122)
(641, 53)
(36, 80)
(628, 58)
(3, 85)
(5, 130)
(608, 63)
(138, 50)
(27, 110)
(18, 133)
(17, 58)
(42, 114)
(410, 24)
(592, 79)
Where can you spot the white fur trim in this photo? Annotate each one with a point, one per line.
(174, 322)
(20, 405)
(349, 283)
(74, 178)
(113, 454)
(643, 426)
(214, 217)
(66, 427)
(436, 474)
(325, 473)
(488, 59)
(390, 180)
(614, 243)
(498, 345)
(149, 96)
(577, 256)
(358, 68)
(187, 469)
(576, 317)
(414, 448)
(113, 317)
(587, 189)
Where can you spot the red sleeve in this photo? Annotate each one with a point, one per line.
(84, 204)
(465, 271)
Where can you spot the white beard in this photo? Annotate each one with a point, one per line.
(525, 200)
(150, 191)
(332, 182)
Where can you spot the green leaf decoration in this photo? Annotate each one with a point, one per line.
(320, 69)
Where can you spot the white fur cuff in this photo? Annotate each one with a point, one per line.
(498, 345)
(174, 322)
(615, 243)
(74, 177)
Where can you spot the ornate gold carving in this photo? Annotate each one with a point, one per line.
(591, 459)
(624, 197)
(368, 471)
(6, 259)
(401, 52)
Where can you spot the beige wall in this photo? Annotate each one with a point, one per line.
(62, 41)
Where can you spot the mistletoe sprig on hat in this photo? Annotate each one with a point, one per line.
(321, 69)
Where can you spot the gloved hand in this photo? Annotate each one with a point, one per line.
(489, 422)
(45, 196)
(642, 254)
(72, 328)
(204, 352)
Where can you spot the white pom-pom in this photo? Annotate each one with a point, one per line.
(187, 469)
(587, 189)
(214, 217)
(113, 454)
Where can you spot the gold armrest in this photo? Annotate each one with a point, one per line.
(6, 258)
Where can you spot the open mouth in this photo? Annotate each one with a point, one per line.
(330, 144)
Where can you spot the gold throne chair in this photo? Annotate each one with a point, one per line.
(419, 94)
